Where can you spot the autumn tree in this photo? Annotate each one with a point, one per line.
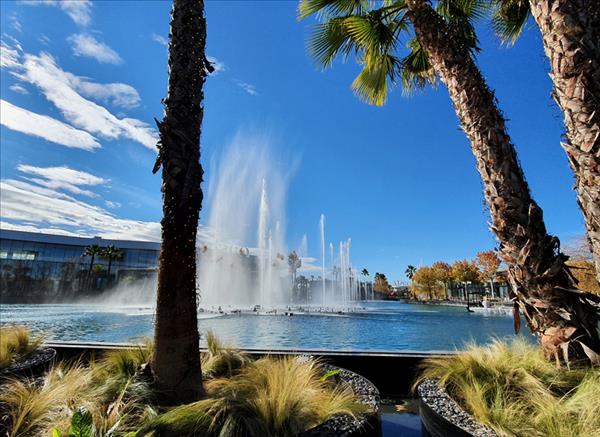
(443, 273)
(488, 263)
(465, 271)
(381, 284)
(427, 278)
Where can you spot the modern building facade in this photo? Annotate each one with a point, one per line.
(37, 267)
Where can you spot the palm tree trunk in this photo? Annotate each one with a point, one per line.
(176, 357)
(535, 264)
(108, 270)
(571, 35)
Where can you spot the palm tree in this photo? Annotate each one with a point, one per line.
(410, 271)
(176, 356)
(365, 273)
(445, 46)
(571, 37)
(92, 250)
(111, 253)
(294, 263)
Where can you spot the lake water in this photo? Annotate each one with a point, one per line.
(389, 326)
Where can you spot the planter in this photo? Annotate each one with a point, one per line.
(346, 426)
(443, 417)
(33, 366)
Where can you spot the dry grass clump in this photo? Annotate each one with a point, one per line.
(268, 397)
(220, 360)
(107, 389)
(513, 389)
(17, 343)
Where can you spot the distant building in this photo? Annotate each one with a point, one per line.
(38, 267)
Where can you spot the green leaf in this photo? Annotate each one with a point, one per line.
(81, 424)
(56, 432)
(330, 374)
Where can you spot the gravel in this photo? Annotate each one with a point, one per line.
(440, 402)
(344, 425)
(33, 363)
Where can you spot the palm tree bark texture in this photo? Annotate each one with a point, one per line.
(541, 287)
(571, 36)
(176, 356)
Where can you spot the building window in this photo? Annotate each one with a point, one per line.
(24, 255)
(3, 254)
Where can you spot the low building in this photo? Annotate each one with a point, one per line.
(38, 267)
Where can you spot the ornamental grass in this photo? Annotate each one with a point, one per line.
(515, 390)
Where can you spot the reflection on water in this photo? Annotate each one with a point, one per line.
(388, 326)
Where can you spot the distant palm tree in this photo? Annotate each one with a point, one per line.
(92, 251)
(410, 271)
(294, 263)
(111, 253)
(444, 46)
(364, 272)
(176, 355)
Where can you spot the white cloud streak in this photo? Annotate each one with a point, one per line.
(249, 88)
(16, 88)
(42, 126)
(80, 11)
(63, 90)
(159, 39)
(217, 65)
(63, 178)
(86, 45)
(28, 207)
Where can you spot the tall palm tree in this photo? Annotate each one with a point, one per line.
(92, 251)
(445, 47)
(364, 272)
(571, 37)
(176, 357)
(111, 253)
(410, 271)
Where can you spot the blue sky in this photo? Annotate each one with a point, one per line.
(82, 81)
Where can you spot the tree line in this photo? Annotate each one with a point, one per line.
(434, 281)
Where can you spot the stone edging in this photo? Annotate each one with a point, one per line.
(440, 402)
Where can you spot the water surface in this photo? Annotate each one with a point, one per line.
(389, 326)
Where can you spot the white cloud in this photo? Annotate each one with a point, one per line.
(63, 178)
(249, 88)
(112, 205)
(18, 89)
(44, 40)
(48, 128)
(217, 65)
(80, 11)
(15, 23)
(118, 94)
(63, 88)
(28, 207)
(86, 45)
(9, 55)
(159, 39)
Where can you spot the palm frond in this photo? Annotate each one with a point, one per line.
(471, 9)
(509, 19)
(333, 8)
(328, 40)
(416, 69)
(371, 83)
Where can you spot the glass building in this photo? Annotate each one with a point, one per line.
(41, 267)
